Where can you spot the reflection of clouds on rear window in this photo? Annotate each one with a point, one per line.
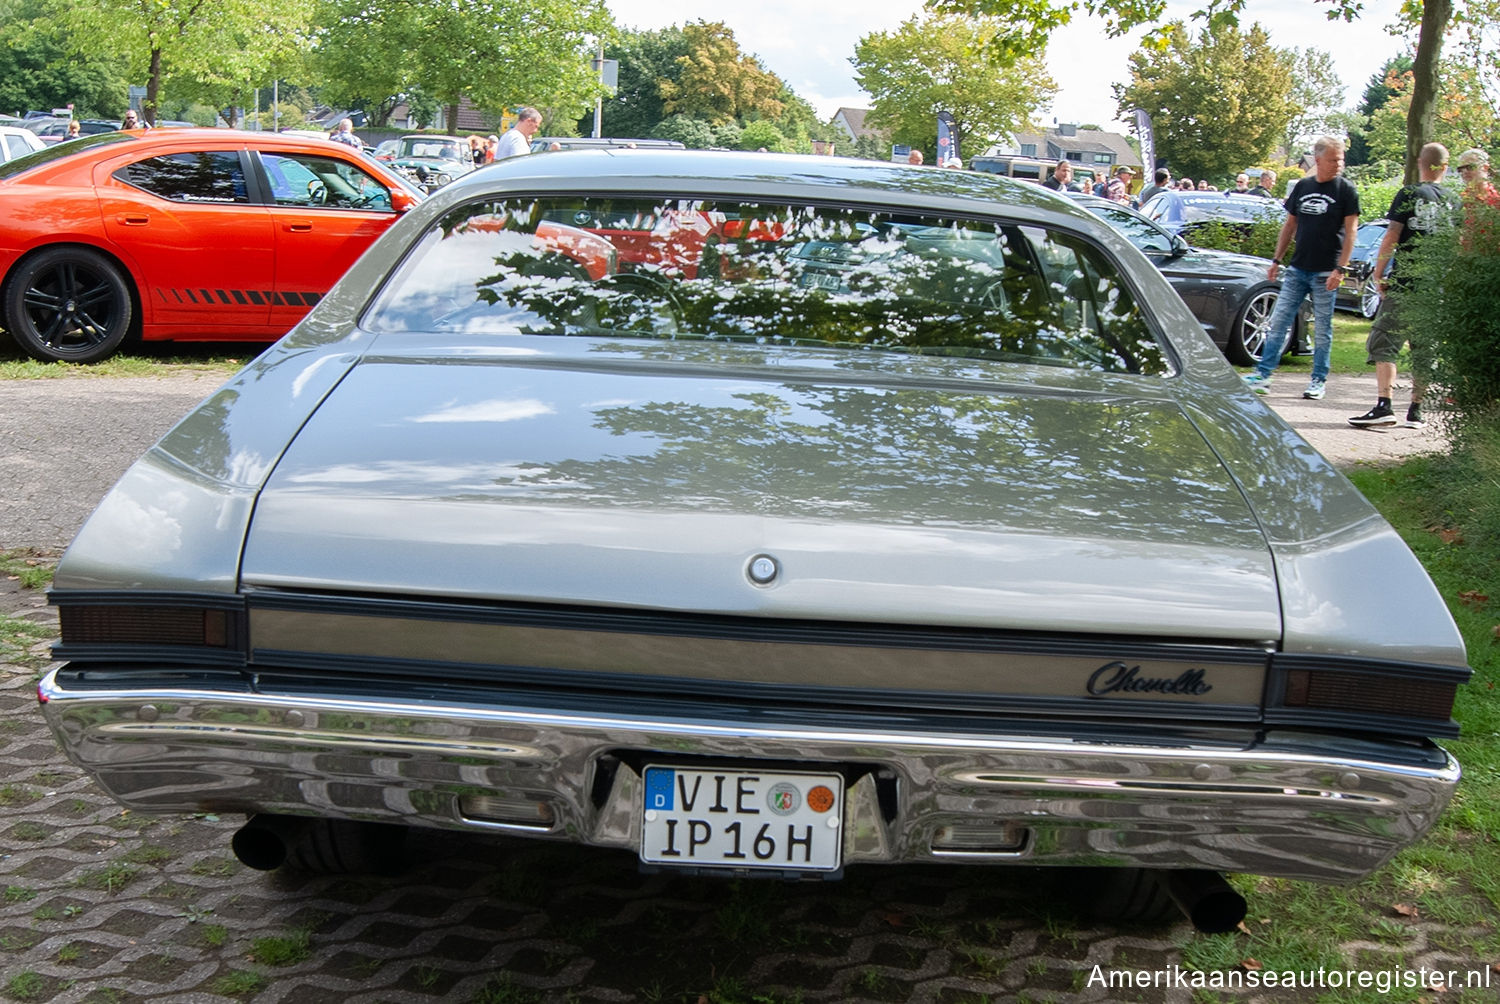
(771, 274)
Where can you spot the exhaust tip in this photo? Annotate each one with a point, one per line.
(1205, 899)
(264, 842)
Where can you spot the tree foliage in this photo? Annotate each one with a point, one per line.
(1030, 22)
(1317, 101)
(945, 63)
(1218, 101)
(497, 53)
(1466, 115)
(646, 59)
(196, 42)
(40, 66)
(718, 83)
(1378, 90)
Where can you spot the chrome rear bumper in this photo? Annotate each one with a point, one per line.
(1268, 807)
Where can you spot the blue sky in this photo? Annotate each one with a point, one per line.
(808, 44)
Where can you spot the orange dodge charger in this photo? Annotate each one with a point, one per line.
(191, 234)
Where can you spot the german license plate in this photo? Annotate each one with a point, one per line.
(743, 819)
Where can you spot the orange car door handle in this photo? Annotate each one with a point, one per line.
(299, 228)
(133, 219)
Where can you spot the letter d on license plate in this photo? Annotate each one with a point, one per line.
(743, 819)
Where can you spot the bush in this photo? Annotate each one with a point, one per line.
(694, 134)
(1455, 297)
(1258, 238)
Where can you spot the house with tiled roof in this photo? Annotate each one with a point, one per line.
(852, 122)
(1094, 148)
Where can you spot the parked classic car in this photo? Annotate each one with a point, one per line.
(431, 161)
(1229, 293)
(191, 234)
(926, 526)
(1359, 290)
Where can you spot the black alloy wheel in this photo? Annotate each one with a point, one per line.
(68, 304)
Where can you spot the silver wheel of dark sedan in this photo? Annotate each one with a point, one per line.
(1250, 330)
(68, 303)
(1369, 298)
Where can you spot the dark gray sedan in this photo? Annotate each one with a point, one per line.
(872, 514)
(1229, 293)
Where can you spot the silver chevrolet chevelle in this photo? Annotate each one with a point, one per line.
(759, 513)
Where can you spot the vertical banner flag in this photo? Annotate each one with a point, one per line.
(1148, 145)
(947, 143)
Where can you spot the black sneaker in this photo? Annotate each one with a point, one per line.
(1414, 416)
(1381, 414)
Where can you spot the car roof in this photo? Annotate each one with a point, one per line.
(776, 176)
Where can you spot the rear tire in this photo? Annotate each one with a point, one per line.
(68, 304)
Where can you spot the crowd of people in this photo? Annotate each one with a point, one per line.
(1323, 211)
(482, 150)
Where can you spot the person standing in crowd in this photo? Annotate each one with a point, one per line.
(1204, 186)
(1185, 185)
(1241, 185)
(914, 158)
(345, 134)
(1415, 211)
(1322, 213)
(477, 149)
(1119, 186)
(517, 139)
(1062, 178)
(132, 120)
(1161, 182)
(1267, 182)
(1474, 170)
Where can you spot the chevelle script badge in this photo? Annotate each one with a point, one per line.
(1118, 678)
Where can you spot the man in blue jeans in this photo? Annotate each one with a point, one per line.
(1323, 213)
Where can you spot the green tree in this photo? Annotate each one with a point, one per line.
(646, 58)
(191, 41)
(1317, 101)
(364, 55)
(943, 63)
(1378, 90)
(496, 53)
(718, 82)
(1030, 22)
(763, 133)
(40, 66)
(695, 134)
(1218, 102)
(1467, 118)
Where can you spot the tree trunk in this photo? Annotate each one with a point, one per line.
(452, 124)
(153, 88)
(1421, 121)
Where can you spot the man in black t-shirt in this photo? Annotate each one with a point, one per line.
(1416, 210)
(1323, 213)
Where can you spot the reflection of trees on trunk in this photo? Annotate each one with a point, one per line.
(1076, 467)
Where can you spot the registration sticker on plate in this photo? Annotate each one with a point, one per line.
(743, 819)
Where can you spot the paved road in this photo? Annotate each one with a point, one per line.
(63, 442)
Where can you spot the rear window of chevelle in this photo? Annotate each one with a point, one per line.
(771, 274)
